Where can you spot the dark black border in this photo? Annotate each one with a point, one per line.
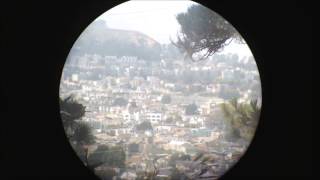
(37, 36)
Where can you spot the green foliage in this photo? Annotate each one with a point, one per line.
(117, 156)
(105, 174)
(178, 157)
(80, 151)
(191, 109)
(70, 110)
(242, 117)
(133, 105)
(169, 120)
(203, 30)
(174, 117)
(166, 99)
(177, 175)
(144, 126)
(71, 113)
(146, 175)
(177, 117)
(100, 155)
(201, 161)
(111, 156)
(83, 134)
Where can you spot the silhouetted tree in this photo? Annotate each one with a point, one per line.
(71, 113)
(203, 30)
(242, 117)
(83, 134)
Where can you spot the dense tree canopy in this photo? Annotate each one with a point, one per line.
(243, 117)
(203, 32)
(111, 156)
(71, 113)
(83, 134)
(71, 110)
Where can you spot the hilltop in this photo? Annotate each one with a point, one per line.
(105, 41)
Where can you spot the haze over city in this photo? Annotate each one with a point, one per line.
(156, 19)
(135, 105)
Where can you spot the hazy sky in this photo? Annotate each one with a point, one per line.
(155, 18)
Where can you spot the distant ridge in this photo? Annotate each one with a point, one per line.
(99, 39)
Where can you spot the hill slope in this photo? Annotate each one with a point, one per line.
(99, 39)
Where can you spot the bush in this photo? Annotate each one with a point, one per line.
(191, 109)
(166, 99)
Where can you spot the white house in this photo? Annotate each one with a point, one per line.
(154, 117)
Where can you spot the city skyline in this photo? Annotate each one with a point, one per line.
(136, 109)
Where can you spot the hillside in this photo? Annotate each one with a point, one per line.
(99, 39)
